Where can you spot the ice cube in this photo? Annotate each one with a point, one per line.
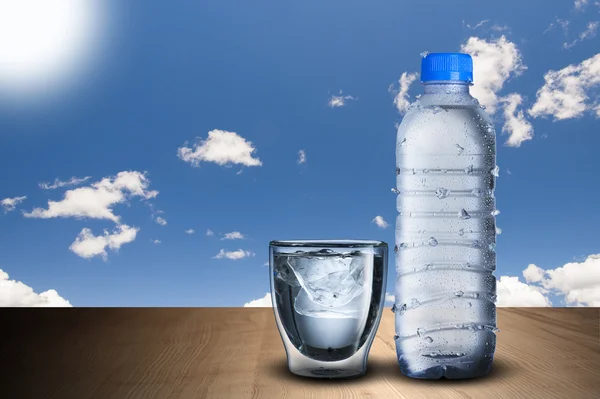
(284, 272)
(329, 283)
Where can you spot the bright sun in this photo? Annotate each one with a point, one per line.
(44, 42)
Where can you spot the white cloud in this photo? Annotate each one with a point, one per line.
(161, 221)
(494, 62)
(564, 24)
(10, 204)
(156, 241)
(16, 294)
(264, 302)
(533, 274)
(580, 4)
(73, 181)
(301, 156)
(234, 235)
(590, 30)
(401, 100)
(96, 201)
(512, 292)
(515, 124)
(564, 94)
(389, 297)
(578, 282)
(233, 255)
(221, 147)
(588, 33)
(339, 101)
(380, 222)
(190, 231)
(209, 233)
(86, 245)
(478, 25)
(500, 28)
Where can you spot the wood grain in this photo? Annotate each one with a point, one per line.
(237, 353)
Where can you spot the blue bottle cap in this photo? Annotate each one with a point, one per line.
(447, 66)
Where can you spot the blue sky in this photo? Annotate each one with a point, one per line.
(265, 79)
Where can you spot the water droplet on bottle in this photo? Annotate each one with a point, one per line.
(437, 109)
(460, 149)
(492, 247)
(424, 54)
(395, 248)
(418, 96)
(403, 245)
(498, 230)
(475, 244)
(475, 295)
(475, 101)
(489, 128)
(470, 304)
(396, 336)
(395, 190)
(429, 339)
(432, 241)
(459, 293)
(441, 192)
(461, 232)
(403, 142)
(463, 214)
(413, 171)
(495, 212)
(402, 309)
(420, 332)
(476, 192)
(414, 302)
(425, 170)
(469, 170)
(496, 171)
(394, 308)
(482, 106)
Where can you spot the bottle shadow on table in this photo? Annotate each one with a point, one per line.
(379, 369)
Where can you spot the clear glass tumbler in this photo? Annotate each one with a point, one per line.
(327, 298)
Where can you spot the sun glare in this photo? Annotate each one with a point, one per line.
(46, 43)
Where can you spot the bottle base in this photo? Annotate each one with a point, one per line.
(449, 371)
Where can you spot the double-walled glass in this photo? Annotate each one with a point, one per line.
(327, 298)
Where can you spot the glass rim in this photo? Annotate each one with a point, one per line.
(328, 243)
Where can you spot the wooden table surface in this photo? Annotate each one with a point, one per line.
(237, 353)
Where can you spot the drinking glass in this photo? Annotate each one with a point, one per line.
(327, 298)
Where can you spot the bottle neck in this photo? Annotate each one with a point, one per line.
(446, 87)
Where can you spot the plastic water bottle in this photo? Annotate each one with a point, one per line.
(445, 231)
